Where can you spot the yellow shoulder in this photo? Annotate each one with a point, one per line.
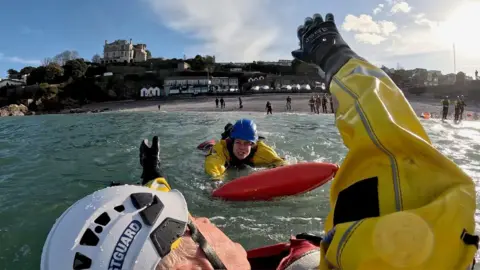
(159, 184)
(266, 156)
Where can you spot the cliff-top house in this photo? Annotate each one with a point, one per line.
(124, 51)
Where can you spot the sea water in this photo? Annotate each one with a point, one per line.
(48, 162)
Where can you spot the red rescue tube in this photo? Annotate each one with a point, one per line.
(206, 145)
(277, 182)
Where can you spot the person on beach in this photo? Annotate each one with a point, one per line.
(324, 103)
(159, 106)
(240, 103)
(289, 103)
(241, 147)
(457, 105)
(318, 102)
(216, 102)
(222, 103)
(462, 106)
(311, 102)
(445, 105)
(392, 207)
(268, 107)
(331, 104)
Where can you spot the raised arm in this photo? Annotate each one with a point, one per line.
(396, 201)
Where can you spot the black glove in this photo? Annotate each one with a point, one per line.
(322, 46)
(227, 131)
(150, 160)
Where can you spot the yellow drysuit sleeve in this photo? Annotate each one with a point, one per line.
(425, 199)
(216, 160)
(266, 156)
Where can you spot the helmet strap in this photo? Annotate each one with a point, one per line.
(210, 253)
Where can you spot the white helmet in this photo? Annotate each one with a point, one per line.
(122, 227)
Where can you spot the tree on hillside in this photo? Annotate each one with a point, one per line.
(75, 68)
(149, 54)
(65, 56)
(26, 70)
(46, 61)
(197, 63)
(52, 72)
(420, 77)
(460, 78)
(37, 75)
(96, 59)
(12, 73)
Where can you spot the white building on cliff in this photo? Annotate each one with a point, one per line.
(124, 51)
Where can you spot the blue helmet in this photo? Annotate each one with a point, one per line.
(245, 129)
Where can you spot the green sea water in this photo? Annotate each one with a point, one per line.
(48, 162)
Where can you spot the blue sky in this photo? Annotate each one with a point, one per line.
(390, 32)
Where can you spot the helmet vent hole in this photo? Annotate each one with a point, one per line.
(89, 238)
(81, 262)
(103, 219)
(119, 208)
(98, 229)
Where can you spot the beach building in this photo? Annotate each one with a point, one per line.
(199, 84)
(150, 92)
(186, 85)
(124, 51)
(11, 82)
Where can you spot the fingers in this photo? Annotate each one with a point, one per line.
(329, 17)
(317, 18)
(314, 20)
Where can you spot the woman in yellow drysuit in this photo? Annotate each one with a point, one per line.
(241, 148)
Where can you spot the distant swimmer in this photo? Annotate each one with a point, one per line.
(289, 103)
(268, 107)
(445, 104)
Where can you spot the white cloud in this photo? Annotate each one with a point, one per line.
(368, 30)
(421, 19)
(369, 38)
(232, 30)
(19, 60)
(400, 7)
(378, 9)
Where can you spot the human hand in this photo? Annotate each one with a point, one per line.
(322, 46)
(189, 256)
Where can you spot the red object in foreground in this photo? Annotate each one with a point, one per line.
(277, 182)
(206, 145)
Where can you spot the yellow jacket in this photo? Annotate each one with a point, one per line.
(217, 161)
(396, 202)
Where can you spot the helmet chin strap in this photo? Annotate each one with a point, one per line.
(198, 238)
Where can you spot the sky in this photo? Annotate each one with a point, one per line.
(394, 33)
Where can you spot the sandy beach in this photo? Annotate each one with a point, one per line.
(257, 102)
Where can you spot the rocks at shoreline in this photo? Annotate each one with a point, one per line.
(88, 111)
(21, 110)
(15, 110)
